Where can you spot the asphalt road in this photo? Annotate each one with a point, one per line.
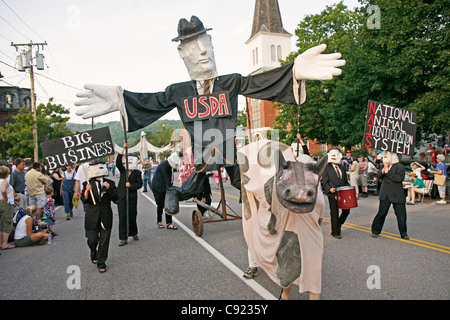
(177, 265)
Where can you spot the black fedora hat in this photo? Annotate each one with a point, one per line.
(190, 29)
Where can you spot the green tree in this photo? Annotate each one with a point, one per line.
(160, 138)
(51, 124)
(334, 26)
(404, 63)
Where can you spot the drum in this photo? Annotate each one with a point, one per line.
(346, 197)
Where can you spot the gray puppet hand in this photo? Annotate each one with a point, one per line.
(99, 100)
(312, 65)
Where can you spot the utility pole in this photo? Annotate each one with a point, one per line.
(33, 100)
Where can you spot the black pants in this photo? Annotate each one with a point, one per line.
(336, 220)
(207, 201)
(132, 217)
(98, 242)
(159, 199)
(383, 209)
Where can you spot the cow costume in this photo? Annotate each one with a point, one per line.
(282, 207)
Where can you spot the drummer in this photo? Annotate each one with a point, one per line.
(333, 177)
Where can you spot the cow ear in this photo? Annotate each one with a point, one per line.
(319, 167)
(280, 162)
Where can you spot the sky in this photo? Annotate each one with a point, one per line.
(127, 43)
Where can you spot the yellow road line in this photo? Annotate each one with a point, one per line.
(226, 195)
(416, 242)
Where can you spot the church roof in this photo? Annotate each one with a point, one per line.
(267, 18)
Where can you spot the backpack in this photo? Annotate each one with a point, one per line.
(19, 215)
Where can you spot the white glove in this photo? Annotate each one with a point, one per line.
(100, 100)
(312, 65)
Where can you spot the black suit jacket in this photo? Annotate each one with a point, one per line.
(135, 180)
(101, 211)
(391, 186)
(330, 179)
(162, 179)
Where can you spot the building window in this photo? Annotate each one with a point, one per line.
(272, 53)
(8, 100)
(256, 55)
(279, 53)
(256, 121)
(27, 102)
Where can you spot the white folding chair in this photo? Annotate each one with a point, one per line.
(427, 189)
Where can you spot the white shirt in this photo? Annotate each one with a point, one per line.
(80, 175)
(21, 228)
(9, 192)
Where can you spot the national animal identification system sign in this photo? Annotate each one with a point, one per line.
(77, 148)
(390, 128)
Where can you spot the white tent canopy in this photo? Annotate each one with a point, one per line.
(143, 147)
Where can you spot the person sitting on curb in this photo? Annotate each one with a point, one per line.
(24, 235)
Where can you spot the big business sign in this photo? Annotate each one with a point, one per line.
(77, 148)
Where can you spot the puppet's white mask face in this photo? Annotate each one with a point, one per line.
(133, 163)
(198, 56)
(97, 170)
(390, 158)
(334, 156)
(174, 160)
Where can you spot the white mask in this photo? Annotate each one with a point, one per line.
(392, 158)
(133, 163)
(174, 160)
(198, 56)
(334, 156)
(97, 170)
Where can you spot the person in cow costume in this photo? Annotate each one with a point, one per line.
(208, 101)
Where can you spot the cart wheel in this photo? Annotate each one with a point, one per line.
(197, 223)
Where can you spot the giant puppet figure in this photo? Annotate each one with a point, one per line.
(209, 102)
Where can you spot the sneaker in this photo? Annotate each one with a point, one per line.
(251, 272)
(122, 243)
(442, 202)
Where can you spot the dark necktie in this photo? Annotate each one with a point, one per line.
(99, 185)
(206, 87)
(338, 172)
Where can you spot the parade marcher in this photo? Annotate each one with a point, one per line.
(162, 180)
(147, 179)
(67, 190)
(97, 195)
(391, 192)
(133, 183)
(333, 177)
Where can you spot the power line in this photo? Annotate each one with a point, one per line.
(21, 20)
(41, 75)
(14, 27)
(50, 52)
